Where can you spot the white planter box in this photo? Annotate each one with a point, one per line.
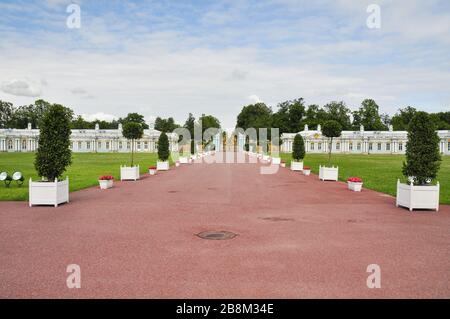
(184, 160)
(152, 171)
(48, 193)
(296, 166)
(105, 184)
(177, 164)
(421, 197)
(276, 160)
(328, 173)
(306, 172)
(356, 187)
(162, 166)
(283, 164)
(129, 173)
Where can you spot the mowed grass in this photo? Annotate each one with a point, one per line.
(379, 172)
(84, 172)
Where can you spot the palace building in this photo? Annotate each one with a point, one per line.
(359, 142)
(85, 141)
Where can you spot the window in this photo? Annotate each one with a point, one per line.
(350, 146)
(10, 144)
(99, 145)
(370, 146)
(88, 145)
(79, 145)
(146, 145)
(338, 146)
(379, 146)
(448, 146)
(120, 145)
(128, 145)
(319, 146)
(24, 145)
(312, 146)
(107, 145)
(358, 146)
(400, 146)
(388, 146)
(138, 145)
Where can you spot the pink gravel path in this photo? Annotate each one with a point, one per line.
(138, 240)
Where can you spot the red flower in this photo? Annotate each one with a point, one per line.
(354, 180)
(306, 168)
(152, 167)
(283, 161)
(106, 178)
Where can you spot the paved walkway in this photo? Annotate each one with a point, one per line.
(298, 237)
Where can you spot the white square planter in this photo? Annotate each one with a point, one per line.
(129, 173)
(306, 172)
(105, 184)
(296, 166)
(328, 173)
(353, 186)
(162, 166)
(48, 193)
(184, 160)
(152, 171)
(421, 197)
(276, 160)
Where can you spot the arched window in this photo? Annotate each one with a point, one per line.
(10, 144)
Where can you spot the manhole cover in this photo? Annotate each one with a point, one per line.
(278, 219)
(216, 235)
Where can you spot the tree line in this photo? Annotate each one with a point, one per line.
(19, 117)
(291, 116)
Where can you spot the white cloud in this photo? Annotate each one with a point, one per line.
(254, 98)
(99, 116)
(22, 88)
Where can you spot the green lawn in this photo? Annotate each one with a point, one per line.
(84, 171)
(379, 172)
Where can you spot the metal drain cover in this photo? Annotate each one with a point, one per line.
(216, 235)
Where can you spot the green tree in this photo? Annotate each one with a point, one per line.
(331, 129)
(208, 122)
(134, 118)
(255, 116)
(422, 150)
(6, 114)
(368, 115)
(165, 125)
(163, 147)
(290, 115)
(400, 121)
(53, 153)
(315, 116)
(298, 149)
(132, 131)
(338, 112)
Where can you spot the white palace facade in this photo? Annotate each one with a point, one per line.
(359, 142)
(85, 141)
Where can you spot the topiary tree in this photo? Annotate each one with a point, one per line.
(331, 129)
(163, 147)
(422, 150)
(53, 153)
(132, 131)
(298, 149)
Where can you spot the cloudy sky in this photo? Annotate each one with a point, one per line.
(168, 58)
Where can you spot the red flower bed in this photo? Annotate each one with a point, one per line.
(152, 167)
(106, 178)
(354, 180)
(306, 168)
